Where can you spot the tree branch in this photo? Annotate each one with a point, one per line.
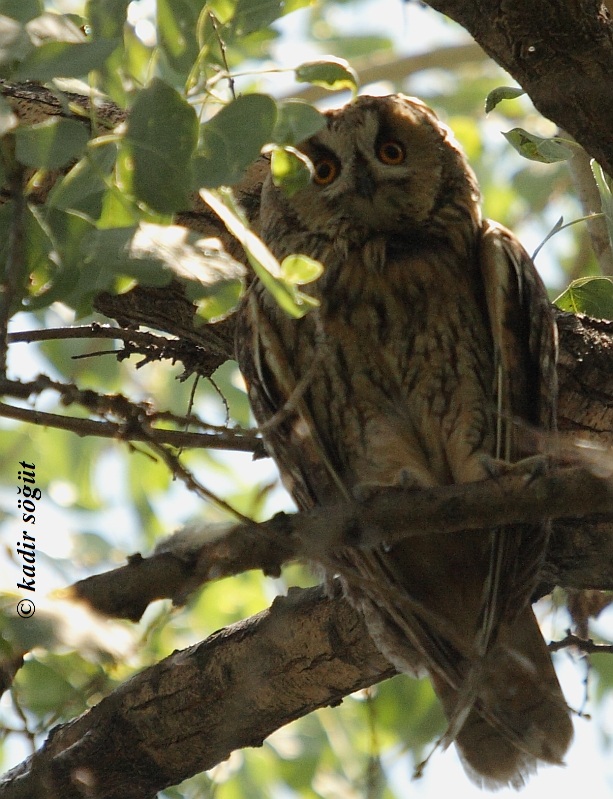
(582, 644)
(136, 423)
(559, 51)
(589, 197)
(377, 68)
(191, 710)
(197, 555)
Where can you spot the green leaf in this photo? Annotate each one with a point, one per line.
(54, 28)
(218, 301)
(535, 148)
(8, 120)
(290, 169)
(15, 43)
(64, 60)
(233, 138)
(21, 10)
(177, 22)
(34, 253)
(263, 262)
(605, 189)
(153, 255)
(588, 295)
(300, 269)
(199, 263)
(50, 144)
(111, 253)
(501, 93)
(107, 19)
(252, 15)
(334, 74)
(603, 668)
(47, 689)
(222, 9)
(162, 134)
(296, 121)
(54, 273)
(86, 179)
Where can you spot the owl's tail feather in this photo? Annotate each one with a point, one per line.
(519, 717)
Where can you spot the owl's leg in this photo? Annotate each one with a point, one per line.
(403, 480)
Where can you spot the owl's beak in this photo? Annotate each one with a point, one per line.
(364, 182)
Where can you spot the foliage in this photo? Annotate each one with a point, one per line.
(200, 111)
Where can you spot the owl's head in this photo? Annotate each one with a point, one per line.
(381, 165)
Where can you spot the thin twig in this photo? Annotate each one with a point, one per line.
(224, 54)
(179, 470)
(116, 404)
(151, 346)
(94, 330)
(125, 431)
(15, 264)
(583, 644)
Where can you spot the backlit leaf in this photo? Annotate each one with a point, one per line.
(334, 74)
(501, 93)
(162, 135)
(536, 148)
(589, 295)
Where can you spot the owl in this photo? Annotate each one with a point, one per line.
(430, 354)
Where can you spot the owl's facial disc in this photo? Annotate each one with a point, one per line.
(383, 165)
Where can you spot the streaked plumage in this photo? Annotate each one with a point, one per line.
(433, 339)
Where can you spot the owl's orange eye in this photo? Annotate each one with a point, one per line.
(391, 152)
(326, 170)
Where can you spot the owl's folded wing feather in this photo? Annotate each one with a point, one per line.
(277, 398)
(525, 344)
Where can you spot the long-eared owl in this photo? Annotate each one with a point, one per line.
(432, 347)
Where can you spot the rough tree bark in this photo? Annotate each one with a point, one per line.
(561, 54)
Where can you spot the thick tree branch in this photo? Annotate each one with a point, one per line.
(191, 710)
(559, 51)
(194, 556)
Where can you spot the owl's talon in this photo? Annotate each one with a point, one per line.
(531, 467)
(406, 480)
(495, 468)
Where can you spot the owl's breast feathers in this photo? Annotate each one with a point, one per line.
(399, 364)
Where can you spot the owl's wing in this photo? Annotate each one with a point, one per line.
(277, 398)
(524, 334)
(525, 349)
